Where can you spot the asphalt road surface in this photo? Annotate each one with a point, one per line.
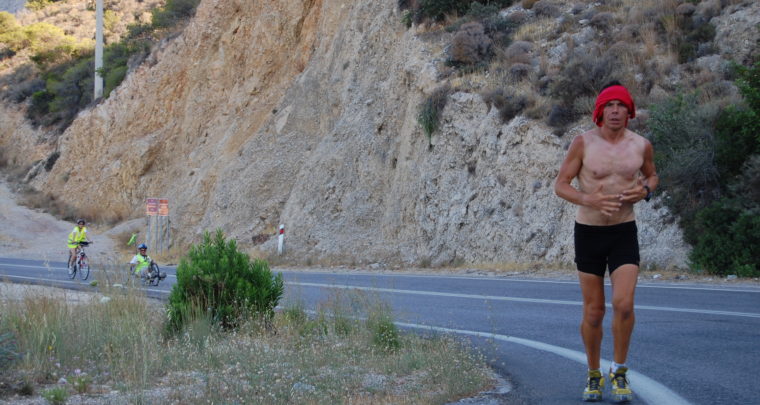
(693, 344)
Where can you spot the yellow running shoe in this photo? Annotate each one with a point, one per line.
(594, 385)
(621, 390)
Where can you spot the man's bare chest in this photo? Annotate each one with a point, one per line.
(601, 161)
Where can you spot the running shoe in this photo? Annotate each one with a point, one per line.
(621, 389)
(594, 385)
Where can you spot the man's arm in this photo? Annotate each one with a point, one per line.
(571, 167)
(648, 170)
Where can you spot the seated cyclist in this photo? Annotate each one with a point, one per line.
(79, 234)
(141, 262)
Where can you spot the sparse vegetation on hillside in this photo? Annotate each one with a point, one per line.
(39, 4)
(60, 82)
(549, 60)
(430, 112)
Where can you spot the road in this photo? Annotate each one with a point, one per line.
(693, 344)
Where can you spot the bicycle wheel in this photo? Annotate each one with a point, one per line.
(155, 274)
(84, 268)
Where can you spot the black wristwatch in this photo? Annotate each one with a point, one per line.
(649, 193)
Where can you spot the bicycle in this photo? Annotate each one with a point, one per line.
(153, 275)
(81, 264)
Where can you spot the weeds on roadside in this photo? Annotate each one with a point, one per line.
(56, 395)
(348, 349)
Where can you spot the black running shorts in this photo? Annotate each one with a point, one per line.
(599, 247)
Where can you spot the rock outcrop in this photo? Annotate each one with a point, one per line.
(304, 112)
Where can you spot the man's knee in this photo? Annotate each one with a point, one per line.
(593, 315)
(623, 307)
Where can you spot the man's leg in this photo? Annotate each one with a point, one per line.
(623, 288)
(592, 288)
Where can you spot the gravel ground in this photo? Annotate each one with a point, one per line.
(37, 235)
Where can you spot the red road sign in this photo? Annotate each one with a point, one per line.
(163, 207)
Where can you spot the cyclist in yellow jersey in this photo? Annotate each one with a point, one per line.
(141, 262)
(79, 234)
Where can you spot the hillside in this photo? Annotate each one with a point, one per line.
(304, 113)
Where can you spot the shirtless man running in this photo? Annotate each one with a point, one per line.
(615, 169)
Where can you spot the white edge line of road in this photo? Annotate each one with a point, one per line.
(480, 297)
(69, 281)
(641, 284)
(646, 388)
(519, 299)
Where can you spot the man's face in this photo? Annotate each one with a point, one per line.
(615, 114)
(143, 251)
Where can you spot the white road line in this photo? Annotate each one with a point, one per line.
(78, 282)
(641, 284)
(645, 388)
(519, 299)
(56, 268)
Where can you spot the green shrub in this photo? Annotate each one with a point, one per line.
(746, 188)
(225, 283)
(173, 12)
(67, 64)
(738, 128)
(384, 332)
(737, 138)
(584, 75)
(508, 104)
(47, 43)
(56, 395)
(430, 112)
(81, 383)
(437, 10)
(8, 22)
(729, 242)
(73, 89)
(682, 135)
(39, 4)
(470, 45)
(40, 104)
(113, 78)
(110, 19)
(693, 35)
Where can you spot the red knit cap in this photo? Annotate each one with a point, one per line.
(613, 93)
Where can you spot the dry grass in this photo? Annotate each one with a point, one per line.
(333, 356)
(536, 30)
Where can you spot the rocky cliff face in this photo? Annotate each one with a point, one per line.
(303, 112)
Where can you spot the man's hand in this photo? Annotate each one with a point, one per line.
(634, 194)
(608, 204)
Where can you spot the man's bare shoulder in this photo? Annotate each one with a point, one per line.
(637, 137)
(584, 138)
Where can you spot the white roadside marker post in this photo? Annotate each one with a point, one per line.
(281, 240)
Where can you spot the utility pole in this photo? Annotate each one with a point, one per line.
(98, 48)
